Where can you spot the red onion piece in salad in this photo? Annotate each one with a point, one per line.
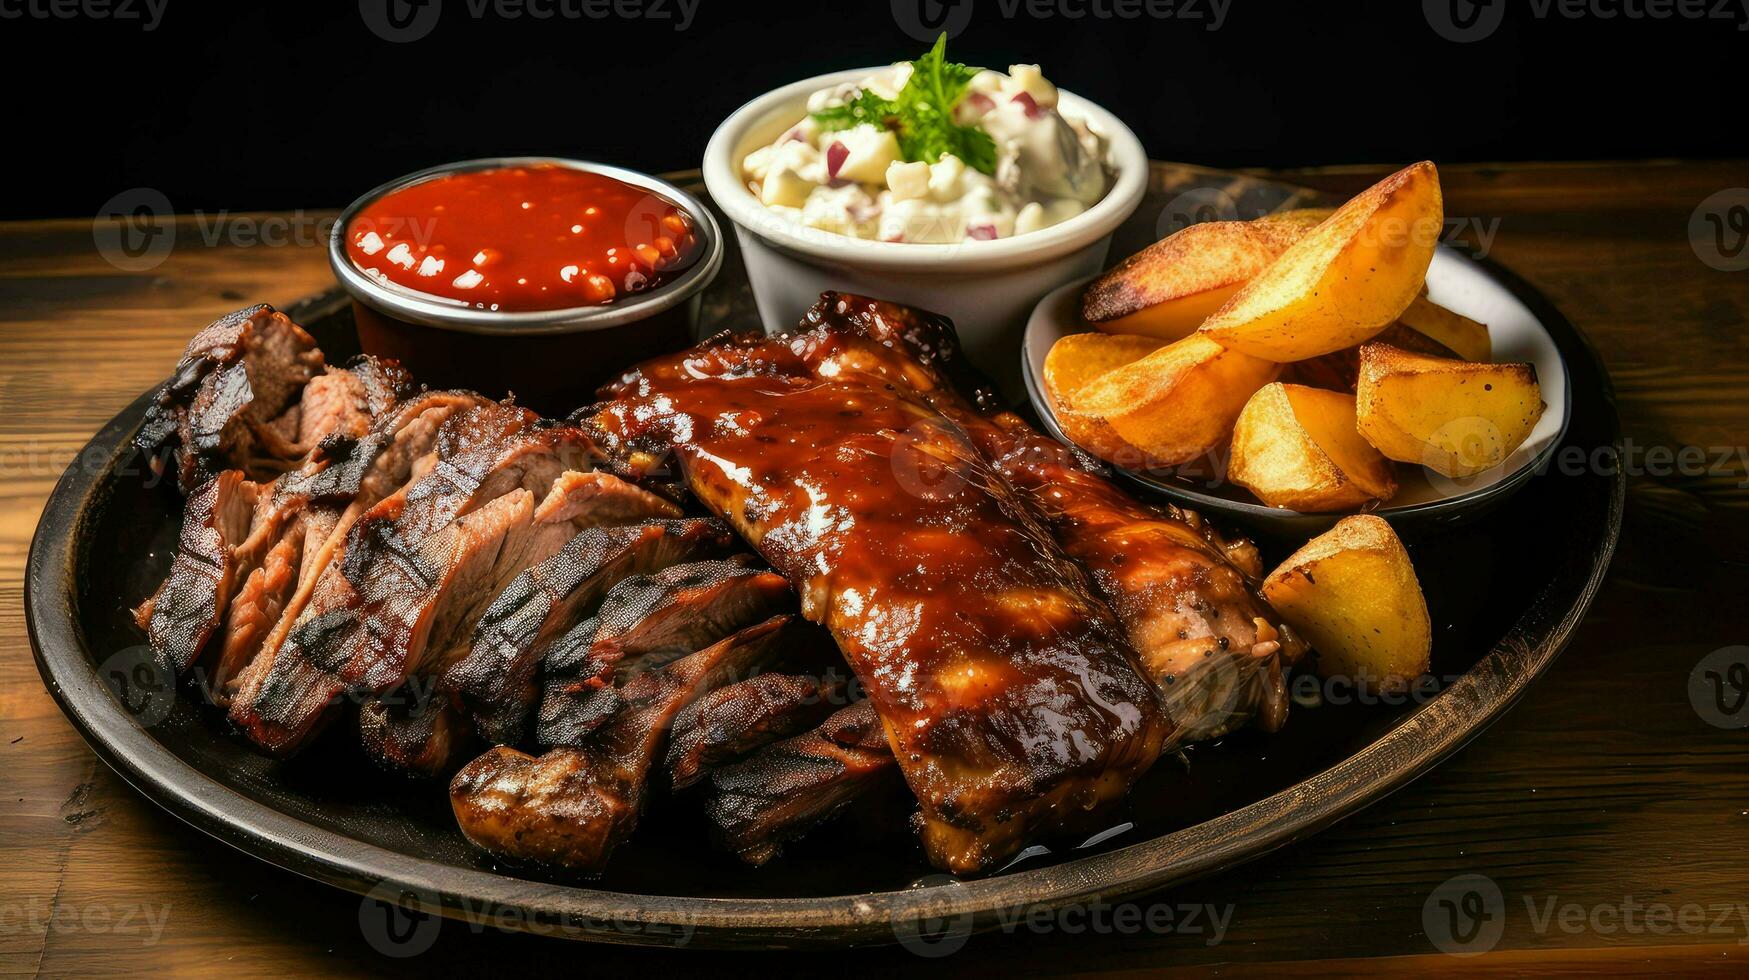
(836, 154)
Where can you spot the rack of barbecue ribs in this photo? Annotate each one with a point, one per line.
(912, 523)
(772, 576)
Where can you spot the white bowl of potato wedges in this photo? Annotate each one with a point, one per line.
(1307, 365)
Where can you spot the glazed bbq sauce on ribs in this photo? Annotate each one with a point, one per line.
(1012, 700)
(1187, 596)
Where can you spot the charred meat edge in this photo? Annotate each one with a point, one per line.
(495, 683)
(733, 721)
(515, 535)
(236, 383)
(311, 510)
(231, 525)
(787, 789)
(646, 621)
(367, 621)
(572, 806)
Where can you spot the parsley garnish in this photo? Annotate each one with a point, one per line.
(922, 115)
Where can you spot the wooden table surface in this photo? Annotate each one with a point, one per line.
(1612, 816)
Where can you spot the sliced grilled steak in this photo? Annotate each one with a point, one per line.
(214, 552)
(413, 731)
(495, 682)
(500, 541)
(646, 621)
(213, 558)
(237, 380)
(253, 611)
(231, 525)
(375, 602)
(787, 789)
(346, 477)
(732, 721)
(572, 806)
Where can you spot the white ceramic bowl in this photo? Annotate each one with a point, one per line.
(987, 287)
(1454, 281)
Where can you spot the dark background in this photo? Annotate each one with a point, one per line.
(287, 105)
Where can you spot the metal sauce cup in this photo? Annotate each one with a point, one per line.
(551, 360)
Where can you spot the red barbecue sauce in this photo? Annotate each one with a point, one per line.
(515, 239)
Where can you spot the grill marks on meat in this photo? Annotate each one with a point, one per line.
(430, 553)
(495, 682)
(257, 606)
(498, 542)
(572, 806)
(232, 400)
(645, 622)
(1010, 694)
(373, 603)
(215, 558)
(237, 536)
(733, 721)
(344, 480)
(1187, 598)
(788, 789)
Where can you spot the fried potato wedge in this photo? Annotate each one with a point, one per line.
(1340, 370)
(1457, 418)
(1077, 359)
(1167, 289)
(1352, 592)
(1467, 338)
(1297, 447)
(1346, 280)
(1179, 401)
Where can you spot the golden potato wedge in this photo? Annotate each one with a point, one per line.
(1457, 418)
(1346, 280)
(1077, 359)
(1179, 401)
(1463, 335)
(1167, 289)
(1352, 592)
(1340, 370)
(1297, 447)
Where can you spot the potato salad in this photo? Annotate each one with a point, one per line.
(930, 151)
